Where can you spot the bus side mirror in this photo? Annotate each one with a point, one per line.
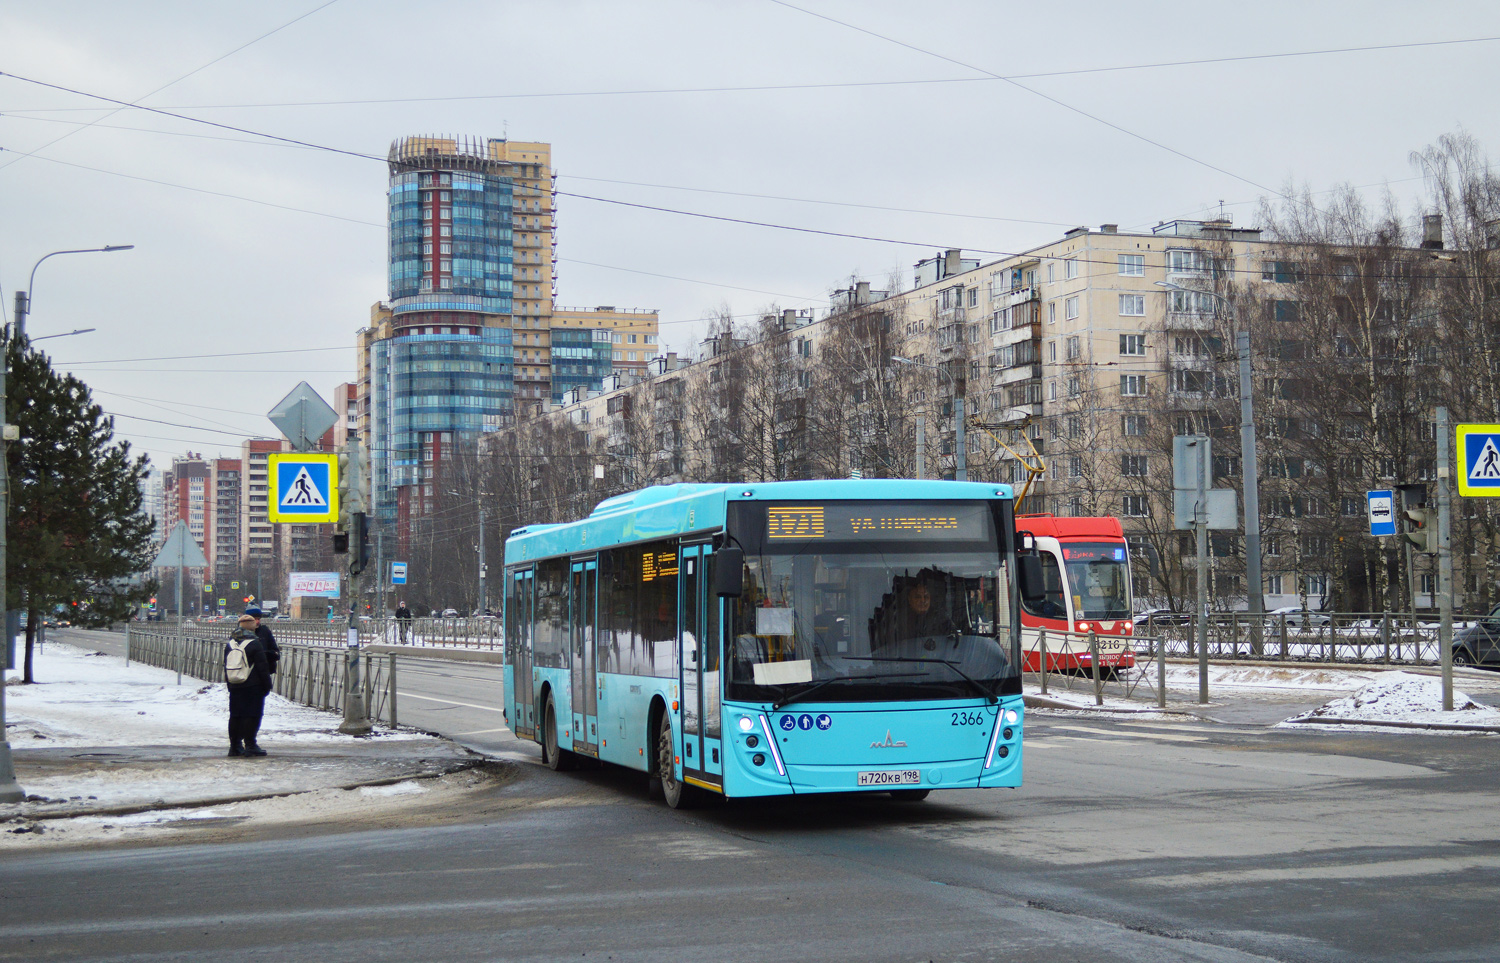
(1033, 588)
(729, 571)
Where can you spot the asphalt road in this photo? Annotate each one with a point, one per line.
(1130, 841)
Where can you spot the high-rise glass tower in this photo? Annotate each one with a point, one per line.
(438, 358)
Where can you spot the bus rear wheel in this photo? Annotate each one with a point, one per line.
(674, 792)
(909, 795)
(556, 757)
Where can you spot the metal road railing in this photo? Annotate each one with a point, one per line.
(1145, 680)
(310, 674)
(1364, 638)
(472, 633)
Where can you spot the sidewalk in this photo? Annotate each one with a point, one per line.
(95, 738)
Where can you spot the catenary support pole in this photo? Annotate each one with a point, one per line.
(1445, 558)
(1200, 526)
(921, 445)
(10, 790)
(1251, 484)
(482, 568)
(961, 463)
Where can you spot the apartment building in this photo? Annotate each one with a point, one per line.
(225, 540)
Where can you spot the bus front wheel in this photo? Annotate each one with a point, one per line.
(673, 791)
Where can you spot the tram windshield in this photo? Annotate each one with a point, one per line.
(870, 601)
(1098, 579)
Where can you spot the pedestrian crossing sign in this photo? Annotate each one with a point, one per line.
(1479, 461)
(304, 487)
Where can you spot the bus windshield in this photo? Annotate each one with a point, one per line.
(881, 613)
(1098, 579)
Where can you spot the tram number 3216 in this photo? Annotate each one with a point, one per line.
(967, 719)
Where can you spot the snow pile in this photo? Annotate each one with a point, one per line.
(1405, 698)
(91, 699)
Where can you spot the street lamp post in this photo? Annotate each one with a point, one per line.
(10, 790)
(1249, 471)
(961, 454)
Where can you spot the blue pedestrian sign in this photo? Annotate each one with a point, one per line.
(304, 487)
(1381, 507)
(1479, 460)
(398, 573)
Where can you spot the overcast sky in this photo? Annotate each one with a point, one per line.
(874, 118)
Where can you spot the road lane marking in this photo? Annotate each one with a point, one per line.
(1161, 736)
(480, 732)
(450, 702)
(1422, 866)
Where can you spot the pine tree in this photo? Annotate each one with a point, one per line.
(77, 533)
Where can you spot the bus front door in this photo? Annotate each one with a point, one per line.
(521, 617)
(699, 641)
(584, 596)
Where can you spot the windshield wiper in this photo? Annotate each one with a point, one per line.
(983, 689)
(804, 693)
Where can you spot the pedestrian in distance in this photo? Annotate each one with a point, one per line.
(249, 679)
(403, 621)
(263, 632)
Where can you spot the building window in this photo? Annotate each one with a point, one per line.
(1133, 344)
(973, 297)
(1133, 305)
(1051, 273)
(1135, 506)
(1075, 427)
(1133, 466)
(1051, 312)
(1133, 425)
(1051, 350)
(1070, 269)
(1073, 388)
(1073, 348)
(1133, 385)
(1133, 265)
(1318, 584)
(1070, 309)
(1075, 467)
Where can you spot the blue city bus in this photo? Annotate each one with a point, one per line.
(777, 638)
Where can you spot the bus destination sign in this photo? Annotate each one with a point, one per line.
(878, 521)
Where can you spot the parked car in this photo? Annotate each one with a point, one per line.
(1296, 618)
(450, 613)
(1479, 644)
(1162, 617)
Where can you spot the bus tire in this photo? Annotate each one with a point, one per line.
(909, 795)
(675, 793)
(556, 757)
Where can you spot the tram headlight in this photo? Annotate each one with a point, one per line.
(1083, 626)
(746, 723)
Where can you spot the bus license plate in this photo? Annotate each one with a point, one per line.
(891, 777)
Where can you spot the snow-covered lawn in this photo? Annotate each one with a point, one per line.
(84, 698)
(1408, 699)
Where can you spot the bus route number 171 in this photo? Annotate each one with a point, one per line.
(891, 777)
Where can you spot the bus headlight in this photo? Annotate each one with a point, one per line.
(758, 759)
(752, 741)
(746, 723)
(1012, 716)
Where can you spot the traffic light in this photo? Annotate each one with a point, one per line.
(340, 543)
(1421, 529)
(359, 548)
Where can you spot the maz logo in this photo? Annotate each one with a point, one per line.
(888, 744)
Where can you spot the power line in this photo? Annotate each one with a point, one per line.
(829, 85)
(185, 76)
(225, 354)
(1030, 90)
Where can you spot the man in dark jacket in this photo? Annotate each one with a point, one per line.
(403, 621)
(263, 632)
(247, 700)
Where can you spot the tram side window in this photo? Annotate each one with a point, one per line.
(1045, 599)
(551, 640)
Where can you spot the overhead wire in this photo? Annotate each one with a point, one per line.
(198, 69)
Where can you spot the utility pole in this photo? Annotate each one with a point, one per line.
(482, 567)
(10, 790)
(1200, 528)
(921, 445)
(1249, 474)
(1445, 558)
(355, 721)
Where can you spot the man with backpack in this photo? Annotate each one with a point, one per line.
(263, 632)
(249, 678)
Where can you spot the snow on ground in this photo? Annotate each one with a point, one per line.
(1184, 676)
(85, 698)
(1405, 698)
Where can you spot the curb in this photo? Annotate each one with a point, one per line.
(134, 808)
(1439, 726)
(1046, 702)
